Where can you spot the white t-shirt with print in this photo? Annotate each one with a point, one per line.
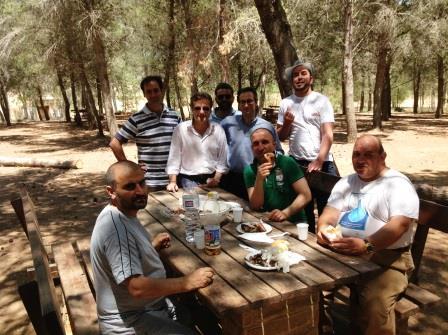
(310, 112)
(367, 206)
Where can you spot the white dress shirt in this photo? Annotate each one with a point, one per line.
(192, 153)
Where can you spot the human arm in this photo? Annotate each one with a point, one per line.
(329, 217)
(214, 182)
(174, 160)
(117, 149)
(284, 129)
(172, 185)
(326, 130)
(142, 287)
(303, 197)
(256, 192)
(221, 159)
(161, 241)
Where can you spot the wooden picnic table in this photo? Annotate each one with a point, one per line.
(248, 301)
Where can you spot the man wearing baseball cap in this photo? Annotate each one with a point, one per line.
(306, 117)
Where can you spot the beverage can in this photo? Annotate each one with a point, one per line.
(212, 234)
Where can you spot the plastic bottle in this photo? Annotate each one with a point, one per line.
(190, 202)
(212, 229)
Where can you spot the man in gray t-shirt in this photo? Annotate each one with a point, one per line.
(130, 280)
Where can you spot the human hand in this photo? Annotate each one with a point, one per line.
(199, 278)
(212, 182)
(321, 237)
(315, 165)
(161, 241)
(349, 245)
(264, 170)
(172, 186)
(277, 215)
(289, 116)
(143, 166)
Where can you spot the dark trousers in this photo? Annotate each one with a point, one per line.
(233, 182)
(318, 198)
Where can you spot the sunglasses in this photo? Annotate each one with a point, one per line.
(198, 108)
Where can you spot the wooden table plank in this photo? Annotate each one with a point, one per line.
(84, 249)
(81, 305)
(251, 287)
(180, 259)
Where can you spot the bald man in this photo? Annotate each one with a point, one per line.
(130, 280)
(276, 185)
(377, 209)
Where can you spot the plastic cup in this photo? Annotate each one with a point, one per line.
(237, 214)
(302, 230)
(199, 240)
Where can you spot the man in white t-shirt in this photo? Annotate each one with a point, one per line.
(306, 117)
(376, 209)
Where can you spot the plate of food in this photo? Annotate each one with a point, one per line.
(256, 261)
(253, 227)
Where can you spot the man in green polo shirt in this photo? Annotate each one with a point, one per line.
(275, 185)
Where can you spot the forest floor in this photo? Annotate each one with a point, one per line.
(68, 201)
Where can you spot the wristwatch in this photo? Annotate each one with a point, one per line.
(369, 246)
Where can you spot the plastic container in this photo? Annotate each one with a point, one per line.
(212, 229)
(190, 202)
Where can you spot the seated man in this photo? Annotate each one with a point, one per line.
(237, 128)
(275, 183)
(198, 152)
(130, 280)
(376, 209)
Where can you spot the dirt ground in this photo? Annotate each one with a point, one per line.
(68, 201)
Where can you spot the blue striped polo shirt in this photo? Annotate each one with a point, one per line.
(153, 138)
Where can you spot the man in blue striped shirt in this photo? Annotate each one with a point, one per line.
(151, 128)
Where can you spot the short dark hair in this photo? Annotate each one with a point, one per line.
(111, 171)
(201, 96)
(147, 79)
(245, 90)
(223, 86)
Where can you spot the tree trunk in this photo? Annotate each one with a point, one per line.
(179, 97)
(99, 96)
(262, 92)
(352, 131)
(170, 59)
(63, 93)
(240, 72)
(369, 99)
(386, 96)
(4, 103)
(191, 46)
(90, 101)
(74, 98)
(380, 80)
(362, 97)
(416, 84)
(440, 88)
(41, 103)
(223, 55)
(278, 33)
(34, 162)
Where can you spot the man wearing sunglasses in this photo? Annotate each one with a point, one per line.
(224, 99)
(198, 152)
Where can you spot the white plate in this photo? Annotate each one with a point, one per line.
(257, 266)
(266, 226)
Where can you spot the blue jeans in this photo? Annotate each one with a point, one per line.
(319, 198)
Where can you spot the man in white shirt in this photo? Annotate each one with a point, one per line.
(198, 152)
(306, 117)
(376, 209)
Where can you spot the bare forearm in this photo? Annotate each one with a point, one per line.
(298, 204)
(391, 232)
(283, 131)
(256, 196)
(326, 142)
(117, 149)
(142, 287)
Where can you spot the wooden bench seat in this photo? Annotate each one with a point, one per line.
(76, 289)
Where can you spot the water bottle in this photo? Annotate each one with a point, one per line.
(190, 202)
(212, 229)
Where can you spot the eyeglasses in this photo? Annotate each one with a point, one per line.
(224, 96)
(204, 108)
(244, 102)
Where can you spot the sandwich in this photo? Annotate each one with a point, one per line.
(269, 157)
(332, 232)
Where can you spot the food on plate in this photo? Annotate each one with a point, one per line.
(257, 259)
(252, 227)
(274, 256)
(269, 157)
(332, 232)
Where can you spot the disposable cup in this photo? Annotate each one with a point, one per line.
(199, 240)
(237, 214)
(302, 231)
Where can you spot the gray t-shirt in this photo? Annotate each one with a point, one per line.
(121, 247)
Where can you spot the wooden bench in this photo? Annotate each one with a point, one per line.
(416, 298)
(76, 288)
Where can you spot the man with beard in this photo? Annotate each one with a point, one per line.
(275, 183)
(129, 277)
(306, 117)
(376, 209)
(151, 128)
(238, 128)
(224, 98)
(198, 153)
